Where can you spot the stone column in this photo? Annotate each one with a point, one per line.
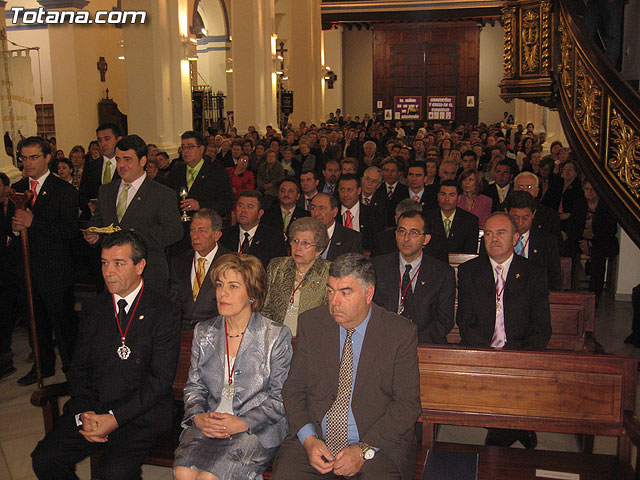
(6, 162)
(253, 52)
(158, 82)
(305, 61)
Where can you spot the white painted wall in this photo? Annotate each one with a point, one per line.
(628, 268)
(491, 107)
(357, 65)
(213, 49)
(333, 57)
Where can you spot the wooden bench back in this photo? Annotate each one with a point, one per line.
(545, 391)
(184, 362)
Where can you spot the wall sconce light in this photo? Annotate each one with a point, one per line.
(229, 68)
(121, 51)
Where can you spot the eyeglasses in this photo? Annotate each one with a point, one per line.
(305, 244)
(525, 187)
(31, 158)
(413, 233)
(189, 147)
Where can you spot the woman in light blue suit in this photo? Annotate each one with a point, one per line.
(234, 418)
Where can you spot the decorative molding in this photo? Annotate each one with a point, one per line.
(530, 41)
(624, 158)
(565, 67)
(588, 103)
(508, 16)
(545, 9)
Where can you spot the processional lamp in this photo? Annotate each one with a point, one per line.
(21, 200)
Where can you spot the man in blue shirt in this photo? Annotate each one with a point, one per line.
(352, 395)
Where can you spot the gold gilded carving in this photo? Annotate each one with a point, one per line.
(507, 21)
(530, 44)
(625, 153)
(588, 95)
(565, 67)
(546, 28)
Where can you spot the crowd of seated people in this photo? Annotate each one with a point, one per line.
(243, 233)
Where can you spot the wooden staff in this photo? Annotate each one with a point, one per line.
(21, 200)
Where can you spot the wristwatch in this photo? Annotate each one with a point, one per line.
(368, 452)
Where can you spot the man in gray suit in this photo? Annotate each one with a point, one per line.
(190, 284)
(135, 202)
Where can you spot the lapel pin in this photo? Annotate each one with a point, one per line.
(338, 244)
(535, 250)
(257, 242)
(138, 198)
(44, 193)
(141, 317)
(517, 275)
(422, 282)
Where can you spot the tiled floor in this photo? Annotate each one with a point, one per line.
(21, 424)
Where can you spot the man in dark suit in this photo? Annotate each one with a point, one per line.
(10, 278)
(250, 235)
(100, 171)
(208, 183)
(385, 242)
(499, 190)
(51, 223)
(330, 173)
(503, 302)
(286, 212)
(189, 282)
(135, 202)
(415, 285)
(120, 383)
(309, 185)
(324, 207)
(370, 184)
(347, 355)
(416, 173)
(353, 214)
(458, 226)
(536, 245)
(545, 219)
(391, 191)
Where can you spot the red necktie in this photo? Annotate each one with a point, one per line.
(34, 186)
(416, 198)
(348, 220)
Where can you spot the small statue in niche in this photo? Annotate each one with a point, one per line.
(102, 68)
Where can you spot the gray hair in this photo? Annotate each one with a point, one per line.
(528, 174)
(313, 225)
(514, 227)
(212, 215)
(407, 205)
(373, 168)
(354, 264)
(370, 142)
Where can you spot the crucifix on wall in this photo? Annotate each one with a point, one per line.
(102, 68)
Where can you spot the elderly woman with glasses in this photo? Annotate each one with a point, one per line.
(298, 283)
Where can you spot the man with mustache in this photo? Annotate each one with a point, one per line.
(352, 395)
(503, 303)
(283, 214)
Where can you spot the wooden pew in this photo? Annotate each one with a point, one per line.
(544, 391)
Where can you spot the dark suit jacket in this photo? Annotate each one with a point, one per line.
(400, 192)
(153, 213)
(370, 224)
(526, 304)
(54, 226)
(90, 184)
(385, 399)
(380, 206)
(137, 389)
(463, 237)
(344, 240)
(273, 217)
(385, 242)
(212, 186)
(9, 250)
(267, 243)
(547, 220)
(492, 192)
(181, 290)
(430, 307)
(543, 249)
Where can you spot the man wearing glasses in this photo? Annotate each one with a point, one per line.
(414, 285)
(208, 184)
(51, 223)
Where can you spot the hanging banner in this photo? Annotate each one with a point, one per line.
(441, 108)
(20, 86)
(407, 108)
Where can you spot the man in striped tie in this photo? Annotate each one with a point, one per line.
(347, 354)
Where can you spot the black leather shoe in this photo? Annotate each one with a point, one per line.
(528, 439)
(30, 378)
(7, 370)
